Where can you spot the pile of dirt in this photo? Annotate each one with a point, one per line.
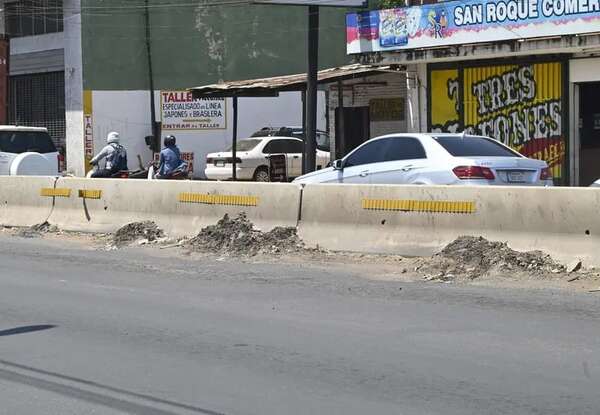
(37, 230)
(135, 232)
(473, 257)
(238, 237)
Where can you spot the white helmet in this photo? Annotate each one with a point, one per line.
(113, 137)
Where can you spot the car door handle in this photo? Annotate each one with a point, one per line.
(296, 157)
(407, 168)
(364, 173)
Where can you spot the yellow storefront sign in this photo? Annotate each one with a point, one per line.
(520, 105)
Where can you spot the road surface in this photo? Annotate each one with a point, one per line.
(140, 331)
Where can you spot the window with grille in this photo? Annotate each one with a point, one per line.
(33, 17)
(38, 100)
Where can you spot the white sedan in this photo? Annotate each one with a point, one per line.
(429, 159)
(252, 162)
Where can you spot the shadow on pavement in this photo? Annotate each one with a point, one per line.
(38, 378)
(25, 329)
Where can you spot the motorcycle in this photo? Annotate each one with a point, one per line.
(121, 174)
(180, 173)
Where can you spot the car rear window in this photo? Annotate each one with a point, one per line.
(245, 145)
(459, 146)
(18, 142)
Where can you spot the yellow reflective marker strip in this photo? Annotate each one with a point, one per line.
(229, 200)
(90, 194)
(435, 206)
(58, 192)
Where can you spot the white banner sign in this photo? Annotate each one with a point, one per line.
(180, 111)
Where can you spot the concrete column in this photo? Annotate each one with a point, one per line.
(412, 100)
(421, 72)
(74, 87)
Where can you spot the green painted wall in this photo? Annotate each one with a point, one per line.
(196, 42)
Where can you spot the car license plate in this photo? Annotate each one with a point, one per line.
(516, 176)
(219, 164)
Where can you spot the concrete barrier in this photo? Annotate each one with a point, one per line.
(420, 220)
(179, 207)
(26, 200)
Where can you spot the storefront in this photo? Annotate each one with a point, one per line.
(372, 106)
(585, 85)
(520, 103)
(523, 73)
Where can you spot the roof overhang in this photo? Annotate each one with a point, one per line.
(269, 87)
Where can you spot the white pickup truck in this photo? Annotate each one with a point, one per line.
(27, 151)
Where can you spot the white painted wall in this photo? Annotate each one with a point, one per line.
(584, 70)
(128, 112)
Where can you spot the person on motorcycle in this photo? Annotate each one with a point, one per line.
(115, 155)
(170, 160)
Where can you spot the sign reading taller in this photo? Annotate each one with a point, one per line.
(180, 111)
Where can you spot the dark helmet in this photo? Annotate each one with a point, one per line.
(170, 140)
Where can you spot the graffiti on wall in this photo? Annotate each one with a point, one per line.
(518, 105)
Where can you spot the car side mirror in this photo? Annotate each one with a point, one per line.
(338, 164)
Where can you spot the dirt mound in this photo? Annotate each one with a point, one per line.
(473, 257)
(135, 232)
(237, 236)
(37, 230)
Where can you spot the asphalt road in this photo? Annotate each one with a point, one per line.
(135, 332)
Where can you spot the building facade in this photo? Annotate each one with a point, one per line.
(36, 78)
(83, 68)
(524, 73)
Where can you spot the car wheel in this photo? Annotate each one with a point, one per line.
(261, 175)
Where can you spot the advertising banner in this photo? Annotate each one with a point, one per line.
(471, 21)
(521, 106)
(180, 111)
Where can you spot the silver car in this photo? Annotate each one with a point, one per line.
(430, 159)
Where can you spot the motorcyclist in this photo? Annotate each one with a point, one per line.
(170, 159)
(115, 155)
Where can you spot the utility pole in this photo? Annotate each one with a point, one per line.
(310, 146)
(151, 78)
(234, 140)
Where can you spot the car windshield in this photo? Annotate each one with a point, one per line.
(469, 146)
(18, 142)
(245, 145)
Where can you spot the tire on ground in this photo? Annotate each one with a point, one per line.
(261, 174)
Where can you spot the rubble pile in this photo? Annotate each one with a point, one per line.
(238, 237)
(37, 230)
(136, 232)
(471, 257)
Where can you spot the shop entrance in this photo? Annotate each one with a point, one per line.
(589, 133)
(356, 128)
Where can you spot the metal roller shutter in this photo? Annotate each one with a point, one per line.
(38, 100)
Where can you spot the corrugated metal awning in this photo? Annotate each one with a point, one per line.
(272, 86)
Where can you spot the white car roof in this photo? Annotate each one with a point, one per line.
(267, 138)
(20, 128)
